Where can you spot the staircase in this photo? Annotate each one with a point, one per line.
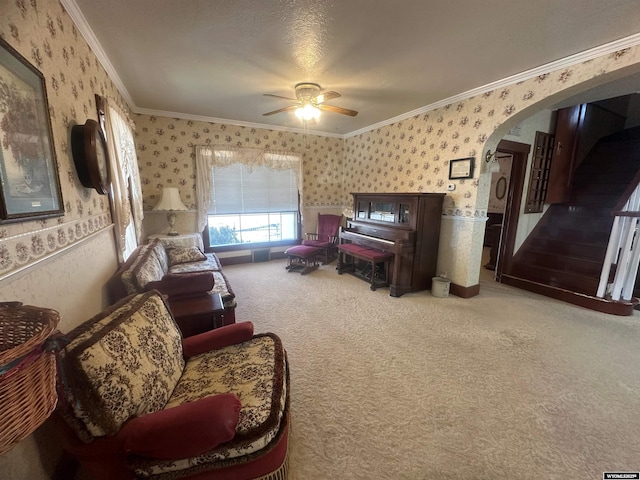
(563, 256)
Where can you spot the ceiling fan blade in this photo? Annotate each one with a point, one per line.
(285, 109)
(343, 111)
(324, 96)
(280, 96)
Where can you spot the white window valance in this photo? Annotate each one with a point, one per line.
(224, 155)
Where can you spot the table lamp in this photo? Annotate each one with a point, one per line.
(170, 202)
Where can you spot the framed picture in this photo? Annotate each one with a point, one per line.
(461, 168)
(29, 182)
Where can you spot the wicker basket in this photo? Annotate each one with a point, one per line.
(27, 372)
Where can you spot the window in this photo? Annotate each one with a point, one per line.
(126, 192)
(539, 176)
(252, 205)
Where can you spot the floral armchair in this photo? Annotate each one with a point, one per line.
(138, 401)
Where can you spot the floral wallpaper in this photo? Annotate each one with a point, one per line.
(166, 156)
(46, 36)
(410, 155)
(414, 154)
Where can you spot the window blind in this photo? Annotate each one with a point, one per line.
(240, 189)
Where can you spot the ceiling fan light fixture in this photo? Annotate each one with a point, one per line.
(310, 100)
(308, 112)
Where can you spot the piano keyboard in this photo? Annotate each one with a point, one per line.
(366, 237)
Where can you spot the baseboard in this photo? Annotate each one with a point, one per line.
(464, 292)
(587, 301)
(235, 260)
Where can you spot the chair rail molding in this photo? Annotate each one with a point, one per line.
(19, 253)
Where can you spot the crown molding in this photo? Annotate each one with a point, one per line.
(81, 23)
(226, 121)
(627, 42)
(83, 26)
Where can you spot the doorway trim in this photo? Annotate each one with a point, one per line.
(520, 154)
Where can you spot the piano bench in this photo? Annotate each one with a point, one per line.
(302, 258)
(372, 256)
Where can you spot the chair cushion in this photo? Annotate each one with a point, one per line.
(254, 371)
(161, 254)
(126, 277)
(328, 226)
(316, 243)
(125, 362)
(302, 251)
(211, 263)
(178, 255)
(149, 268)
(183, 431)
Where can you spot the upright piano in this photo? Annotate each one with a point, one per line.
(405, 224)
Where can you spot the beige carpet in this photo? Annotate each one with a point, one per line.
(506, 385)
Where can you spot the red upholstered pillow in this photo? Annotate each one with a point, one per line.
(184, 431)
(217, 339)
(183, 284)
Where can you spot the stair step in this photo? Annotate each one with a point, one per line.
(584, 222)
(587, 301)
(608, 199)
(586, 175)
(556, 278)
(573, 235)
(551, 260)
(576, 250)
(579, 211)
(566, 250)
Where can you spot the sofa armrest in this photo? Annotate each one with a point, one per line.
(184, 431)
(217, 339)
(183, 284)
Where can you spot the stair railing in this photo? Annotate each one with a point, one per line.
(623, 251)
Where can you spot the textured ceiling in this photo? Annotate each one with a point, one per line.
(216, 59)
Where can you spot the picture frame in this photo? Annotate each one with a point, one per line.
(29, 181)
(461, 168)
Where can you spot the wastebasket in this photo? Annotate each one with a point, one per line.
(440, 287)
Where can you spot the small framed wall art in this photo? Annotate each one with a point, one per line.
(29, 183)
(461, 168)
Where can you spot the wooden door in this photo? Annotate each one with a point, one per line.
(568, 126)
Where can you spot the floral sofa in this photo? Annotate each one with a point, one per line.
(176, 272)
(137, 401)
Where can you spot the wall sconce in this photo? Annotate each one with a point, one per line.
(170, 202)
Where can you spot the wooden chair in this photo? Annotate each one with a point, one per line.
(326, 237)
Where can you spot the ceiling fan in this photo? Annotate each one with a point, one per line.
(310, 100)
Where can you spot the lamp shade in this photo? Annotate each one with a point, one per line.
(170, 200)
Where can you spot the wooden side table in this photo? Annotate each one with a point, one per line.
(198, 314)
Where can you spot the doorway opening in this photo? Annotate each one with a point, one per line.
(513, 155)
